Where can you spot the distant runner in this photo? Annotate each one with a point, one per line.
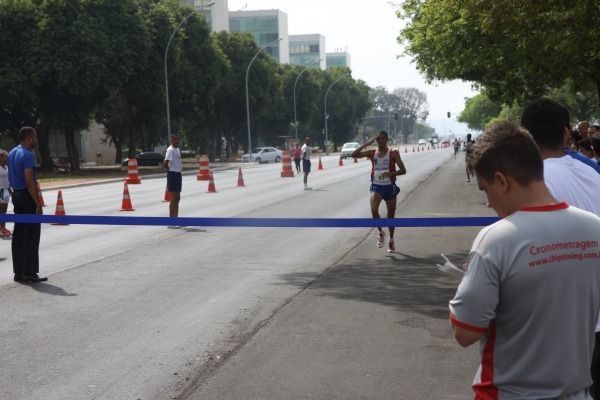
(383, 180)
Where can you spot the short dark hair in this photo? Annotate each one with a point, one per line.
(25, 132)
(546, 120)
(585, 143)
(385, 133)
(507, 148)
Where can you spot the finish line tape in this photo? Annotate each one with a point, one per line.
(252, 222)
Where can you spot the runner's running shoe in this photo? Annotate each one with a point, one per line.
(391, 246)
(380, 238)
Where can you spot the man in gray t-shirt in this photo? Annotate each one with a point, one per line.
(531, 292)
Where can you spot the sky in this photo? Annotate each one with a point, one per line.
(368, 31)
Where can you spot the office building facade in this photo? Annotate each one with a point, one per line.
(266, 26)
(217, 15)
(338, 59)
(308, 49)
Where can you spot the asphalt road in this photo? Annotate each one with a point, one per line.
(241, 313)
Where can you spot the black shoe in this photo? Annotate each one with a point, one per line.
(18, 277)
(32, 278)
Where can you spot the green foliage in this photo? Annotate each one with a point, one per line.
(478, 111)
(516, 50)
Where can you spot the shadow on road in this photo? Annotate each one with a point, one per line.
(411, 284)
(48, 288)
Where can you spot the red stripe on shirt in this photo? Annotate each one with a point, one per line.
(485, 389)
(549, 207)
(466, 326)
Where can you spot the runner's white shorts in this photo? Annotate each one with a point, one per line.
(4, 196)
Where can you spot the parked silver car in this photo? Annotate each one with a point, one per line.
(263, 155)
(348, 149)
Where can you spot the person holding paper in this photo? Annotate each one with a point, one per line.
(531, 292)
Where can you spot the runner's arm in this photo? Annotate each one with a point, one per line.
(359, 153)
(399, 163)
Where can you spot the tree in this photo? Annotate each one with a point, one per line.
(84, 48)
(412, 108)
(230, 100)
(478, 111)
(516, 50)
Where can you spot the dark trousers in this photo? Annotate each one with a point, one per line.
(297, 162)
(26, 237)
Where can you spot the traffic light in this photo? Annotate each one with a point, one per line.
(396, 116)
(448, 114)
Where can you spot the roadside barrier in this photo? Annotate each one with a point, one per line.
(167, 195)
(204, 173)
(286, 165)
(320, 168)
(132, 172)
(211, 184)
(60, 208)
(126, 204)
(240, 179)
(253, 222)
(40, 197)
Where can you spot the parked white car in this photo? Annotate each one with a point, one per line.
(348, 149)
(422, 142)
(263, 155)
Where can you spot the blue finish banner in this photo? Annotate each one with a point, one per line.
(252, 222)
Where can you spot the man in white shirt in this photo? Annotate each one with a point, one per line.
(173, 166)
(306, 162)
(568, 179)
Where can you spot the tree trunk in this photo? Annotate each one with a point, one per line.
(43, 131)
(132, 143)
(72, 149)
(118, 151)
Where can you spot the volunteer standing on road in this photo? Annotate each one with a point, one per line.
(26, 236)
(173, 165)
(383, 180)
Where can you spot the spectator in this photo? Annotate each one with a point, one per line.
(533, 309)
(583, 127)
(567, 179)
(594, 129)
(26, 236)
(468, 143)
(4, 191)
(585, 147)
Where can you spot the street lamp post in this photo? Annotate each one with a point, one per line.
(299, 75)
(248, 98)
(166, 70)
(327, 116)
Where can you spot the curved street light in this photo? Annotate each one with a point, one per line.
(248, 98)
(299, 75)
(327, 116)
(166, 70)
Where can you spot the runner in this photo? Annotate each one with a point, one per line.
(383, 180)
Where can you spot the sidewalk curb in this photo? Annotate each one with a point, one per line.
(152, 176)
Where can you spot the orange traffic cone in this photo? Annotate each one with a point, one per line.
(240, 179)
(413, 149)
(211, 184)
(406, 150)
(418, 149)
(126, 204)
(40, 195)
(132, 172)
(167, 195)
(320, 165)
(355, 160)
(341, 163)
(60, 207)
